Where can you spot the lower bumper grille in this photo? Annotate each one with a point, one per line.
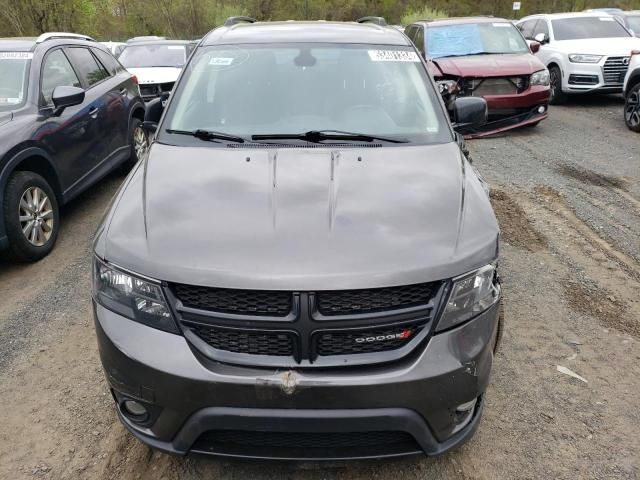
(615, 69)
(583, 79)
(305, 444)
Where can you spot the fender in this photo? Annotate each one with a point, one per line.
(632, 80)
(5, 173)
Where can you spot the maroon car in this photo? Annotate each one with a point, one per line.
(486, 57)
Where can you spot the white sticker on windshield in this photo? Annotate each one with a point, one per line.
(393, 56)
(503, 24)
(221, 61)
(17, 55)
(605, 19)
(10, 101)
(175, 47)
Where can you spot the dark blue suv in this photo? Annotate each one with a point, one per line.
(69, 114)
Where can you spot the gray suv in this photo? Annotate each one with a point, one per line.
(303, 266)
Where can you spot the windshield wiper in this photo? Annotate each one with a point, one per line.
(208, 135)
(316, 136)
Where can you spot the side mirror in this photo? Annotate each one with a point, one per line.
(541, 38)
(534, 47)
(152, 114)
(66, 96)
(469, 112)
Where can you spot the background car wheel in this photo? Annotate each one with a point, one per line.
(139, 143)
(557, 96)
(31, 216)
(632, 108)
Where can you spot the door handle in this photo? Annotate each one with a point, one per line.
(93, 112)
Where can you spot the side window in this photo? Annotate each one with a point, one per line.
(541, 27)
(527, 28)
(56, 72)
(88, 67)
(108, 61)
(410, 32)
(419, 41)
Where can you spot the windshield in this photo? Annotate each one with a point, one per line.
(578, 28)
(473, 39)
(153, 56)
(14, 68)
(633, 22)
(270, 90)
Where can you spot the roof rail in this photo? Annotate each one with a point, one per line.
(377, 20)
(53, 35)
(231, 21)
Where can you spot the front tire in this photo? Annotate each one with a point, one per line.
(632, 108)
(31, 216)
(556, 95)
(138, 143)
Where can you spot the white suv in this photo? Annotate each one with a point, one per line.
(632, 93)
(584, 52)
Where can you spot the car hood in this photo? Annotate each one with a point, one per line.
(5, 117)
(488, 65)
(612, 47)
(155, 74)
(307, 219)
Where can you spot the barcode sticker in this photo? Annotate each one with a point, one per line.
(393, 56)
(17, 55)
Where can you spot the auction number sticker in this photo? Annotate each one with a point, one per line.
(393, 56)
(17, 55)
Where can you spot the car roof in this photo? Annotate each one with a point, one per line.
(556, 16)
(17, 44)
(138, 43)
(462, 20)
(305, 32)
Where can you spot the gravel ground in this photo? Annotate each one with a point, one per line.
(567, 195)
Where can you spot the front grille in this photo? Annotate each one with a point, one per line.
(303, 440)
(496, 86)
(583, 79)
(235, 301)
(252, 342)
(149, 90)
(615, 69)
(350, 302)
(350, 342)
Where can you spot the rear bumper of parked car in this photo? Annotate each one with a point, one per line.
(507, 112)
(203, 407)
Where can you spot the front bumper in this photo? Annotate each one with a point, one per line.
(193, 400)
(507, 112)
(590, 78)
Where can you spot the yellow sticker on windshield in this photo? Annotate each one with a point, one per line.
(393, 56)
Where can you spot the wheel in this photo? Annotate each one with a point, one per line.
(632, 108)
(557, 96)
(139, 143)
(31, 216)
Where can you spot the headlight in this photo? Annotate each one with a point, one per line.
(540, 78)
(582, 58)
(139, 299)
(470, 295)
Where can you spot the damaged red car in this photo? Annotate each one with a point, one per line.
(485, 57)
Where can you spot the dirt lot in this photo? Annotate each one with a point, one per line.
(567, 194)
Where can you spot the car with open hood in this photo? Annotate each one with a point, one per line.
(485, 57)
(155, 63)
(584, 52)
(301, 276)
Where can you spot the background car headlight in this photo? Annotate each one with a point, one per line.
(540, 78)
(139, 299)
(583, 58)
(470, 295)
